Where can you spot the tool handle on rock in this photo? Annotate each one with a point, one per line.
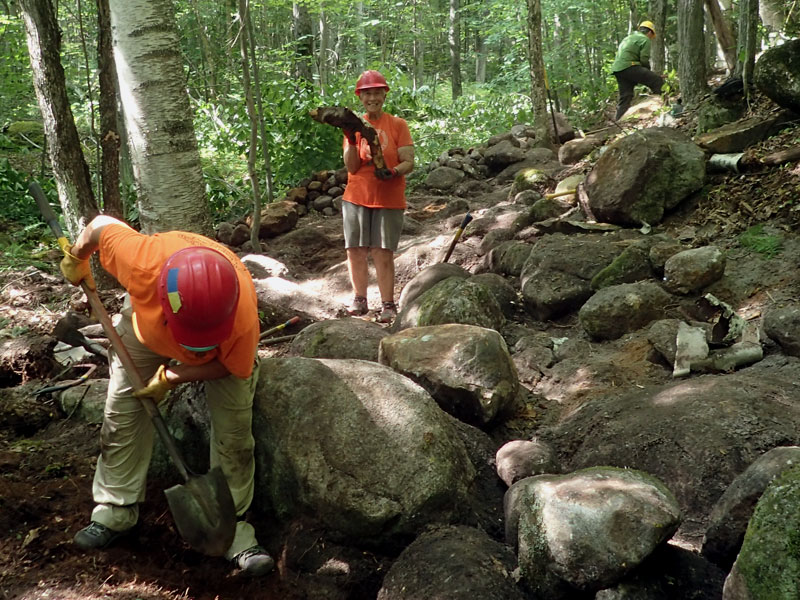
(291, 321)
(559, 194)
(464, 222)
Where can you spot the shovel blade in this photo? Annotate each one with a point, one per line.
(204, 512)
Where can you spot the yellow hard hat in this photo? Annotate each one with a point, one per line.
(649, 25)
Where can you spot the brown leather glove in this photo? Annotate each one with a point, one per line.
(75, 269)
(157, 388)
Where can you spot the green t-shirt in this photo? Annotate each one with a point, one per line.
(633, 50)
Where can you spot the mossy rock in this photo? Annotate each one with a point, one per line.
(712, 115)
(769, 561)
(33, 130)
(529, 179)
(629, 267)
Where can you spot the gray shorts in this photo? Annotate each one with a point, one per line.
(366, 227)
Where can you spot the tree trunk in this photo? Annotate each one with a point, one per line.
(324, 50)
(454, 39)
(419, 49)
(303, 39)
(658, 12)
(63, 144)
(725, 37)
(538, 81)
(361, 40)
(244, 19)
(692, 62)
(109, 136)
(480, 58)
(251, 41)
(207, 55)
(746, 44)
(158, 119)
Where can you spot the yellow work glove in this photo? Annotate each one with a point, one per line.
(157, 388)
(75, 269)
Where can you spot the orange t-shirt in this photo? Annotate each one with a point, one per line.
(362, 186)
(136, 260)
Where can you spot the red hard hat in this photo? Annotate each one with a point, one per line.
(371, 79)
(199, 291)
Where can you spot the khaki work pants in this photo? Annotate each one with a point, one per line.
(126, 440)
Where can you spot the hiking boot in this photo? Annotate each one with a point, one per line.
(254, 561)
(388, 313)
(96, 536)
(358, 307)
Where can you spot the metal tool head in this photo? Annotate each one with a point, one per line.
(204, 512)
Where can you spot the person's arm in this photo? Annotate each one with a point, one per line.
(89, 239)
(182, 373)
(352, 160)
(405, 155)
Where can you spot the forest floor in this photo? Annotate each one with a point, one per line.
(47, 457)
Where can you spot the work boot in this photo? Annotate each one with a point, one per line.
(96, 536)
(388, 313)
(254, 561)
(358, 307)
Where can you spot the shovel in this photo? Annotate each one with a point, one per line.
(202, 507)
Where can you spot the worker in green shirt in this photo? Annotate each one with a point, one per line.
(632, 66)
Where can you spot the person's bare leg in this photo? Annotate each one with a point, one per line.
(383, 260)
(359, 272)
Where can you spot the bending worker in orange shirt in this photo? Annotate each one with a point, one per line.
(190, 314)
(374, 201)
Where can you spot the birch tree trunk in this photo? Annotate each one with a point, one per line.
(692, 62)
(324, 50)
(158, 119)
(538, 81)
(63, 145)
(454, 39)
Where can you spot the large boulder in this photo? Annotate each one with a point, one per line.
(696, 435)
(619, 309)
(732, 512)
(340, 338)
(670, 573)
(768, 565)
(466, 369)
(457, 563)
(558, 272)
(452, 300)
(427, 278)
(644, 175)
(358, 447)
(584, 531)
(777, 74)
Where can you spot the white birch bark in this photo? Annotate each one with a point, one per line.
(158, 119)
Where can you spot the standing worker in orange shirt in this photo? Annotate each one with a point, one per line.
(374, 201)
(190, 314)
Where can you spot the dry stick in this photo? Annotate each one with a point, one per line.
(278, 340)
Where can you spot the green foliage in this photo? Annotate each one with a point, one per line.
(754, 238)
